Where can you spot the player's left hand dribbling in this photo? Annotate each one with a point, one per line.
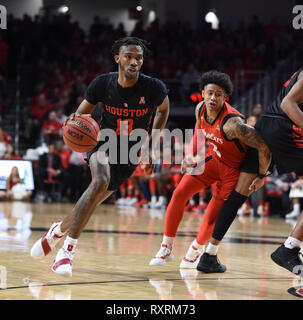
(75, 114)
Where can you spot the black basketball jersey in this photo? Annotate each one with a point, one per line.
(135, 106)
(275, 107)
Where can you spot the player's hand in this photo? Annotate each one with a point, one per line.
(192, 165)
(256, 184)
(71, 117)
(75, 114)
(186, 165)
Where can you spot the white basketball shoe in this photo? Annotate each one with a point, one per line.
(191, 259)
(63, 263)
(163, 255)
(47, 243)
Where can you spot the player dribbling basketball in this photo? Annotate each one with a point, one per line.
(127, 95)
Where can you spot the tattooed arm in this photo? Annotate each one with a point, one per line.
(236, 128)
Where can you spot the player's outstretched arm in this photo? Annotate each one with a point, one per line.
(290, 103)
(236, 128)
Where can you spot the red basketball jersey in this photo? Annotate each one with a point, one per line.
(230, 152)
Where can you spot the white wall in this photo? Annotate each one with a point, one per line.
(19, 7)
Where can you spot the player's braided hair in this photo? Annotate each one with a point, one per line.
(126, 41)
(219, 78)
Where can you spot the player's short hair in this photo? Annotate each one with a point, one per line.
(219, 78)
(126, 41)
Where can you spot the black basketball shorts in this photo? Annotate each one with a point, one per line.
(118, 172)
(250, 163)
(285, 140)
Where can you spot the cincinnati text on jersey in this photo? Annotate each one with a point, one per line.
(211, 136)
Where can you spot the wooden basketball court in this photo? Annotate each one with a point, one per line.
(113, 254)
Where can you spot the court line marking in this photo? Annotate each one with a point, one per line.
(179, 234)
(139, 280)
(259, 236)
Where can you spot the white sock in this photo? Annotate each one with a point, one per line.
(291, 243)
(297, 207)
(58, 231)
(70, 244)
(212, 249)
(153, 199)
(168, 240)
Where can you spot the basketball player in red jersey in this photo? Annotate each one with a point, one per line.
(281, 127)
(128, 96)
(229, 137)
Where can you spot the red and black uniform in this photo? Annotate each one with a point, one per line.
(124, 110)
(224, 157)
(222, 164)
(283, 137)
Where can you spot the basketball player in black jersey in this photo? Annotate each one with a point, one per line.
(131, 98)
(281, 128)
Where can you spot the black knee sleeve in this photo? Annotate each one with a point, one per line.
(227, 214)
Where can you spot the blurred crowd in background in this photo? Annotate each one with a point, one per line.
(63, 59)
(59, 60)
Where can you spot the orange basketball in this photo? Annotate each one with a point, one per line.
(81, 134)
